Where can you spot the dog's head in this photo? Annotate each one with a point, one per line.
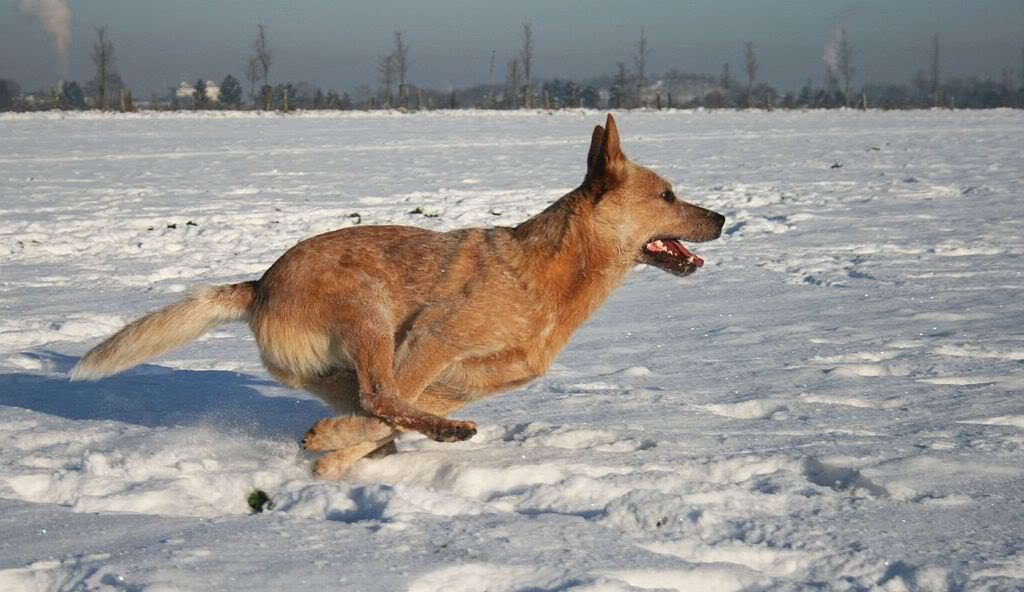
(637, 208)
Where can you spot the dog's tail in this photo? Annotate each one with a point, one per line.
(165, 329)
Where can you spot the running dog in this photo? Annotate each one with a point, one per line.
(395, 327)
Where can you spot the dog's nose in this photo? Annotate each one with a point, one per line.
(717, 219)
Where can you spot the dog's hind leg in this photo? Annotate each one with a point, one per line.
(340, 390)
(335, 433)
(336, 463)
(341, 435)
(346, 440)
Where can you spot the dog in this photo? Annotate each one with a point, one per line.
(396, 327)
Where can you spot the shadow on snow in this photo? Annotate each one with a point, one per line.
(152, 396)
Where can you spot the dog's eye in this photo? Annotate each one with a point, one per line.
(668, 196)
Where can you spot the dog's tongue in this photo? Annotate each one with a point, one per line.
(679, 250)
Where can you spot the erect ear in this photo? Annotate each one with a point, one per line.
(612, 152)
(595, 148)
(605, 163)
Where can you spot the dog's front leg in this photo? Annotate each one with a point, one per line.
(387, 405)
(381, 393)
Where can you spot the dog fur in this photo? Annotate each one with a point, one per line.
(396, 327)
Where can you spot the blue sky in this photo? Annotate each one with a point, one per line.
(336, 44)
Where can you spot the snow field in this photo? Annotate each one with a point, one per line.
(833, 402)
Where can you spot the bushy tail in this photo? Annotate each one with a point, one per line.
(165, 329)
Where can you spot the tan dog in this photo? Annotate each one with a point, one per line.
(397, 342)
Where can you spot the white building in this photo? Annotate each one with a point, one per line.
(187, 91)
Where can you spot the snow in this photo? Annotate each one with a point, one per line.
(832, 403)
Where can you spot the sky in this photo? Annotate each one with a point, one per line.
(337, 44)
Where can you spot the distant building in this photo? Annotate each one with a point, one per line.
(187, 91)
(212, 91)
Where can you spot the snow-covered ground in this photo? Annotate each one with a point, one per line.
(833, 403)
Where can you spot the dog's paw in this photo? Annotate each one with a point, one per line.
(454, 431)
(329, 469)
(334, 464)
(323, 436)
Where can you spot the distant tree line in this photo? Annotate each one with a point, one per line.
(625, 87)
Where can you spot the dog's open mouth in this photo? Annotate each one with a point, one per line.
(670, 254)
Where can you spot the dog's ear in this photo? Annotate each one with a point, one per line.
(595, 148)
(605, 161)
(614, 158)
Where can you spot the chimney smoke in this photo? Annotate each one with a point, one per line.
(55, 17)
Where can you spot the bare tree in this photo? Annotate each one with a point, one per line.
(252, 74)
(490, 78)
(936, 70)
(402, 64)
(726, 82)
(386, 68)
(265, 58)
(725, 79)
(1006, 86)
(526, 58)
(845, 56)
(830, 84)
(512, 84)
(643, 53)
(751, 69)
(103, 57)
(921, 85)
(621, 81)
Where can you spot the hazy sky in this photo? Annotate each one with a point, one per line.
(336, 44)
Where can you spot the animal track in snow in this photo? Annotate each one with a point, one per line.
(747, 225)
(964, 380)
(872, 370)
(753, 409)
(538, 434)
(771, 561)
(854, 357)
(16, 334)
(1016, 421)
(962, 249)
(980, 351)
(818, 269)
(854, 401)
(840, 478)
(707, 577)
(952, 317)
(482, 577)
(743, 195)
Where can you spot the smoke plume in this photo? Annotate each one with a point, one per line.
(831, 55)
(55, 17)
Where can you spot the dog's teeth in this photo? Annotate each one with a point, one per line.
(656, 246)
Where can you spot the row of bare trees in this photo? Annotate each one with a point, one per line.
(627, 87)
